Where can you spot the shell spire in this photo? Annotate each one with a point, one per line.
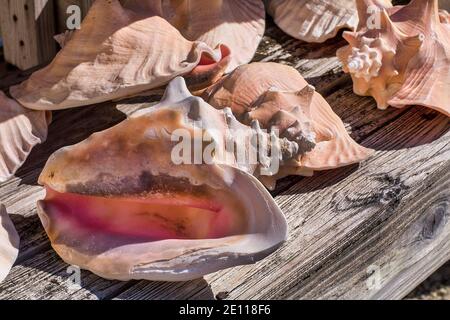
(400, 56)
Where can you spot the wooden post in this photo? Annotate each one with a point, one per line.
(62, 15)
(28, 28)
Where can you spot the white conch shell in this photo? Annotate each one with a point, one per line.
(235, 23)
(315, 20)
(20, 130)
(279, 98)
(120, 50)
(118, 205)
(9, 243)
(406, 61)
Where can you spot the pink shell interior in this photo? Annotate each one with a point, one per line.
(149, 218)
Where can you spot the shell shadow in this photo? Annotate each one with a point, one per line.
(413, 127)
(48, 277)
(320, 180)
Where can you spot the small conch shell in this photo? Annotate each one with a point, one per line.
(120, 50)
(21, 129)
(279, 98)
(403, 61)
(9, 243)
(120, 205)
(315, 20)
(235, 23)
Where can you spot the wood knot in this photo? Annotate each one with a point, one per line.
(435, 222)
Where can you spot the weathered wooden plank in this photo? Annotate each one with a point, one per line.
(28, 29)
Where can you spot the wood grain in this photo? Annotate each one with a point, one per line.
(389, 214)
(28, 28)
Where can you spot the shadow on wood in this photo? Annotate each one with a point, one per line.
(415, 126)
(38, 262)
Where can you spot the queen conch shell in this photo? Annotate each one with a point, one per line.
(20, 130)
(237, 24)
(404, 62)
(9, 243)
(280, 99)
(122, 49)
(120, 205)
(315, 20)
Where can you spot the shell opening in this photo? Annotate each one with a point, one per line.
(208, 62)
(209, 69)
(151, 217)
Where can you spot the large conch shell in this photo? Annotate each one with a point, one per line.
(235, 23)
(315, 20)
(20, 130)
(404, 62)
(119, 205)
(279, 98)
(120, 50)
(9, 243)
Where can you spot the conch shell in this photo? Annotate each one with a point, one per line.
(119, 205)
(404, 62)
(120, 50)
(315, 20)
(9, 243)
(20, 130)
(279, 98)
(237, 24)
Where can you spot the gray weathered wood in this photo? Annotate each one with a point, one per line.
(389, 214)
(28, 28)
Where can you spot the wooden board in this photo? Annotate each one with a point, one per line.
(28, 28)
(367, 231)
